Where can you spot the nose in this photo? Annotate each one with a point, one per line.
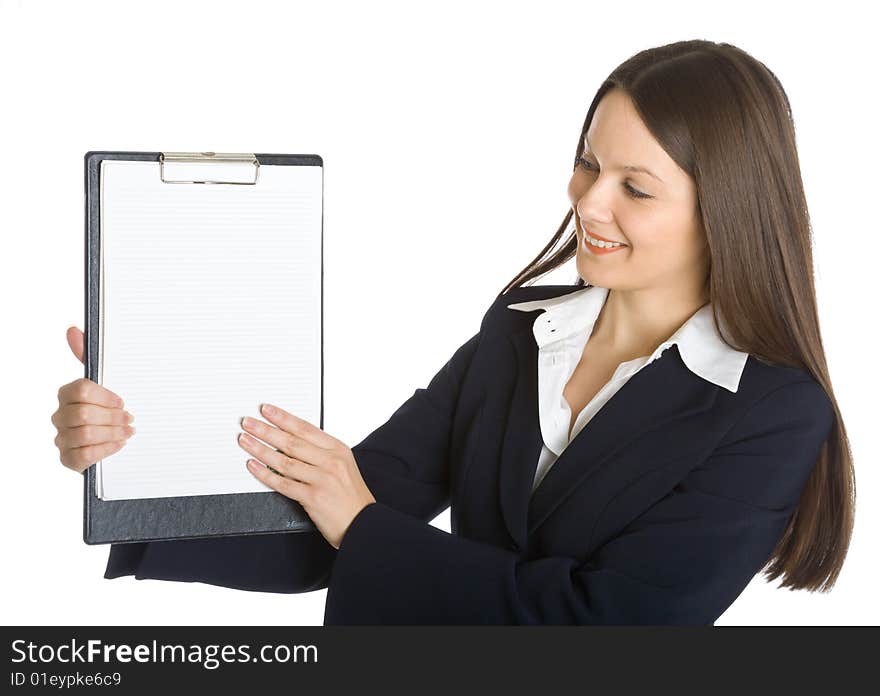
(591, 207)
(592, 217)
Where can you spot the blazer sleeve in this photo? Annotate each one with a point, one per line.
(683, 561)
(404, 464)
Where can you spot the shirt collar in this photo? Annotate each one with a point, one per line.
(699, 343)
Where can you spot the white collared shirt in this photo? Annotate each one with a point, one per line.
(561, 332)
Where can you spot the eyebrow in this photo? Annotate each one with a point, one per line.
(628, 167)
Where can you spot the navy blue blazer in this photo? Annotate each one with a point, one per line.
(660, 511)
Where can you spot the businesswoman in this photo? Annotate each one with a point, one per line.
(630, 449)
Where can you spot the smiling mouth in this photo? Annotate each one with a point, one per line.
(598, 240)
(601, 243)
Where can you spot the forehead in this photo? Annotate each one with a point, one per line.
(618, 136)
(616, 111)
(617, 127)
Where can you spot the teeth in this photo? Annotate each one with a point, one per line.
(601, 244)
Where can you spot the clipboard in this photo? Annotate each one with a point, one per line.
(196, 516)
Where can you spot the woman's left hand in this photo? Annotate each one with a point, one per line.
(320, 472)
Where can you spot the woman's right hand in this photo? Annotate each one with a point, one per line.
(91, 423)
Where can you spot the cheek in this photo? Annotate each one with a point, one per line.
(666, 251)
(656, 233)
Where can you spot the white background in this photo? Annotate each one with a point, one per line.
(448, 134)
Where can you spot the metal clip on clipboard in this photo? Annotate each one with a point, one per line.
(191, 164)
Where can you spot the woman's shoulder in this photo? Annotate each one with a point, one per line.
(762, 375)
(766, 382)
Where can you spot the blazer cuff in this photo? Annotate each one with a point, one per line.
(392, 568)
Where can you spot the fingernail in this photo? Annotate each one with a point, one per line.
(129, 417)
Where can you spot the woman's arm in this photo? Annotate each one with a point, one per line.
(285, 562)
(683, 561)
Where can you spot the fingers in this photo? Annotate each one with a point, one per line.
(84, 390)
(91, 424)
(278, 460)
(81, 458)
(76, 414)
(292, 489)
(86, 435)
(299, 427)
(290, 444)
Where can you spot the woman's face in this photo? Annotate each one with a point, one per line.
(665, 243)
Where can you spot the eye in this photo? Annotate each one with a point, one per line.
(631, 192)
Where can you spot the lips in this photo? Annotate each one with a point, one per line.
(601, 238)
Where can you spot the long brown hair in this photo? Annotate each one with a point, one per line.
(725, 119)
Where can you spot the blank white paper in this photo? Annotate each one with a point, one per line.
(211, 304)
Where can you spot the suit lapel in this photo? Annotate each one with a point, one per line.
(657, 395)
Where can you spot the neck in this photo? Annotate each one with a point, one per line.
(634, 322)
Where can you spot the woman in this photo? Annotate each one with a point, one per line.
(632, 449)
